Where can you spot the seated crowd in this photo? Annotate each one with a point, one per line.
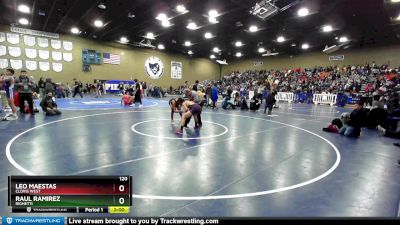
(377, 87)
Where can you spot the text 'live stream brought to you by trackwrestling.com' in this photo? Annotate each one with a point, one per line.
(140, 221)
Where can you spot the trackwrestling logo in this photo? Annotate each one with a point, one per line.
(33, 220)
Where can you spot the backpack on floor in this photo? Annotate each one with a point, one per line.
(337, 122)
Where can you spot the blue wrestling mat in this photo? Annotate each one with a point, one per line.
(101, 103)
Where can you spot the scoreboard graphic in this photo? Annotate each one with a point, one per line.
(70, 194)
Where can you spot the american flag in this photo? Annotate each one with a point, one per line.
(109, 58)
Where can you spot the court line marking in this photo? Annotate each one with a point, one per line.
(161, 154)
(252, 194)
(170, 152)
(227, 186)
(127, 107)
(154, 101)
(314, 111)
(27, 172)
(330, 117)
(398, 211)
(185, 198)
(104, 102)
(179, 138)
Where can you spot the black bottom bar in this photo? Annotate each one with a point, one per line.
(221, 221)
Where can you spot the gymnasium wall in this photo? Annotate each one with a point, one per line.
(381, 55)
(131, 67)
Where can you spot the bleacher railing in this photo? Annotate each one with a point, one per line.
(284, 97)
(325, 99)
(304, 97)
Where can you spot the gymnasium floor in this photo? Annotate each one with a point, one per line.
(239, 164)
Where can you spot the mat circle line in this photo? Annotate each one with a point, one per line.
(193, 198)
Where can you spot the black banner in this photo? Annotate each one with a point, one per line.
(213, 221)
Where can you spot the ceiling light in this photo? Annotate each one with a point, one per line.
(208, 35)
(180, 8)
(213, 13)
(75, 30)
(212, 56)
(216, 49)
(23, 21)
(190, 52)
(162, 17)
(253, 28)
(270, 54)
(161, 47)
(124, 39)
(165, 23)
(187, 43)
(150, 35)
(192, 26)
(261, 50)
(98, 23)
(238, 54)
(222, 62)
(24, 9)
(281, 39)
(238, 44)
(305, 46)
(293, 45)
(343, 39)
(303, 12)
(212, 20)
(102, 5)
(395, 1)
(327, 28)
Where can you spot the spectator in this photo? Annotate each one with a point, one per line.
(49, 106)
(24, 87)
(208, 94)
(68, 90)
(254, 104)
(214, 95)
(357, 118)
(195, 86)
(121, 88)
(269, 102)
(48, 87)
(77, 89)
(42, 85)
(8, 84)
(3, 95)
(377, 103)
(388, 133)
